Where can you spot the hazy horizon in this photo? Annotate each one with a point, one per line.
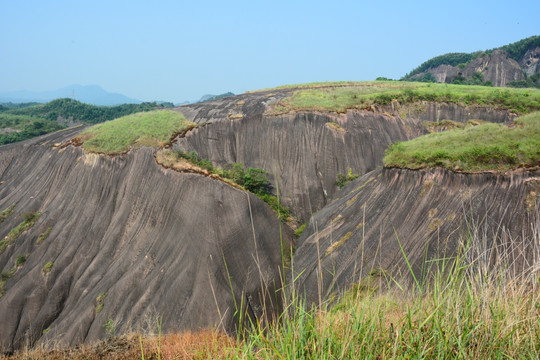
(177, 51)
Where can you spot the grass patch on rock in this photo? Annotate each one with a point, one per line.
(29, 221)
(363, 95)
(486, 147)
(6, 213)
(152, 128)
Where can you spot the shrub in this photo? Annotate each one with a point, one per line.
(342, 179)
(21, 259)
(256, 181)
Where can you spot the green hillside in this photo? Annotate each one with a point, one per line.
(20, 122)
(515, 51)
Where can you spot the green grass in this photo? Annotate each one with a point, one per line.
(29, 221)
(254, 180)
(43, 235)
(339, 98)
(47, 267)
(152, 128)
(480, 148)
(7, 213)
(468, 309)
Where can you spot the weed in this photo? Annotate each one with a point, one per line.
(99, 302)
(342, 180)
(299, 231)
(47, 267)
(29, 221)
(332, 125)
(6, 213)
(110, 327)
(44, 235)
(4, 277)
(21, 259)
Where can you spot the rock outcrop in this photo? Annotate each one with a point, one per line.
(121, 241)
(496, 67)
(427, 213)
(305, 151)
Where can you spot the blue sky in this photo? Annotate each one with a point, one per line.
(179, 50)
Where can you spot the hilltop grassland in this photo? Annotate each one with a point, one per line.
(152, 128)
(487, 147)
(340, 97)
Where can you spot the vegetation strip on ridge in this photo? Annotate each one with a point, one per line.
(153, 128)
(486, 147)
(364, 95)
(254, 180)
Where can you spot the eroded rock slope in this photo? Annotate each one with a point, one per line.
(128, 242)
(430, 212)
(305, 151)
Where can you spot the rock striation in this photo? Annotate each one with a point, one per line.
(121, 242)
(496, 67)
(305, 151)
(429, 214)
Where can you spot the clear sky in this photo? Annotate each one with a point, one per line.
(180, 50)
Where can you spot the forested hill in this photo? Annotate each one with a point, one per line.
(513, 65)
(19, 122)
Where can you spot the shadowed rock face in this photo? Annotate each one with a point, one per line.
(130, 242)
(303, 151)
(429, 211)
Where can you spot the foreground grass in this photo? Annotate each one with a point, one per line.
(477, 305)
(464, 315)
(200, 345)
(479, 148)
(152, 128)
(339, 97)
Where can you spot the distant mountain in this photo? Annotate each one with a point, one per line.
(90, 94)
(515, 65)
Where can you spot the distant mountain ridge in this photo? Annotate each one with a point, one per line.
(514, 65)
(90, 94)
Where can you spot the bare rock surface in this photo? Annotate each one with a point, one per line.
(129, 242)
(305, 151)
(430, 212)
(496, 67)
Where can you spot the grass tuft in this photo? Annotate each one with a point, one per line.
(7, 213)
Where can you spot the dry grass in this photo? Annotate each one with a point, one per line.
(206, 344)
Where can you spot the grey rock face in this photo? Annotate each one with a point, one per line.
(305, 151)
(129, 242)
(496, 67)
(430, 212)
(530, 62)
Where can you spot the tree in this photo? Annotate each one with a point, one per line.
(256, 181)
